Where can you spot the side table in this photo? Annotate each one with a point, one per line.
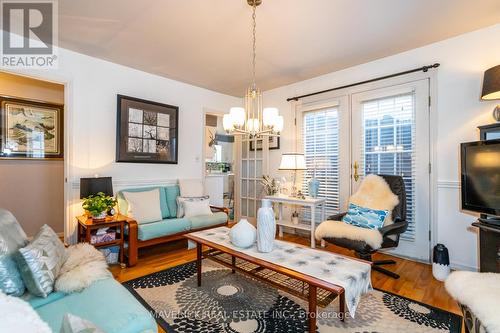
(312, 203)
(86, 225)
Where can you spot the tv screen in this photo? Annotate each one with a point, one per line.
(481, 176)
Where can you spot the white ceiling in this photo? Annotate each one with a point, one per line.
(208, 43)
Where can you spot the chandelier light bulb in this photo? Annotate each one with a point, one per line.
(227, 123)
(269, 116)
(237, 116)
(278, 124)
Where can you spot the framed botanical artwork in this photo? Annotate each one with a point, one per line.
(274, 143)
(147, 132)
(31, 130)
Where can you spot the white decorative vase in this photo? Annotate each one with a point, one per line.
(266, 227)
(243, 234)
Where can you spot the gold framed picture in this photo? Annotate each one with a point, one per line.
(31, 130)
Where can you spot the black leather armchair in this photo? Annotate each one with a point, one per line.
(390, 233)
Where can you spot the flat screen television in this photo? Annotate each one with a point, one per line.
(480, 181)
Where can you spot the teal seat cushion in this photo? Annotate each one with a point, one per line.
(204, 221)
(123, 205)
(172, 193)
(12, 237)
(37, 302)
(107, 304)
(162, 228)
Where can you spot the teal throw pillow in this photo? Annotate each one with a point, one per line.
(40, 262)
(12, 237)
(11, 282)
(365, 217)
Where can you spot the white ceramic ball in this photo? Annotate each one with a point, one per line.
(243, 234)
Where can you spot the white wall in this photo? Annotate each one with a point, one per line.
(91, 88)
(463, 60)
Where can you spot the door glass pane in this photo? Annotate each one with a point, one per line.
(244, 211)
(244, 188)
(251, 208)
(251, 188)
(251, 169)
(244, 149)
(389, 144)
(259, 168)
(244, 169)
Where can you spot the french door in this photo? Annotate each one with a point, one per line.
(390, 134)
(251, 165)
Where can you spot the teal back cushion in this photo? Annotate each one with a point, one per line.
(365, 217)
(172, 193)
(12, 237)
(123, 206)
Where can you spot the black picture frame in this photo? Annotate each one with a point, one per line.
(31, 129)
(146, 131)
(274, 143)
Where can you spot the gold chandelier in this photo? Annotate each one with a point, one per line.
(253, 119)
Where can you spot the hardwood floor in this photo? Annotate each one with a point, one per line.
(416, 281)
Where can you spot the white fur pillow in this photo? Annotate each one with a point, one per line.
(17, 315)
(84, 266)
(144, 206)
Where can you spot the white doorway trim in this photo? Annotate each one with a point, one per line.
(69, 211)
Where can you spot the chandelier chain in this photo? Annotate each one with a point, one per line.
(254, 46)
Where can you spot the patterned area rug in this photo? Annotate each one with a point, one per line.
(233, 303)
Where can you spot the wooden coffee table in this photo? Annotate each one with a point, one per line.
(315, 290)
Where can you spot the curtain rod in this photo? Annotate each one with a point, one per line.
(423, 69)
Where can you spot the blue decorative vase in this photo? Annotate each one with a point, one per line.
(266, 227)
(313, 187)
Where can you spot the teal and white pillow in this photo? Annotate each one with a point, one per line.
(40, 262)
(365, 217)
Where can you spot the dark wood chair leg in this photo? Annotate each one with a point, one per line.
(233, 263)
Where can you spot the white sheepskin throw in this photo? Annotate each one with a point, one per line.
(480, 292)
(339, 229)
(18, 316)
(84, 266)
(374, 193)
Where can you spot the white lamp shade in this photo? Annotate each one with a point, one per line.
(227, 122)
(292, 161)
(269, 116)
(238, 116)
(278, 124)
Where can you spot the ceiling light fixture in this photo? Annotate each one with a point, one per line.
(253, 120)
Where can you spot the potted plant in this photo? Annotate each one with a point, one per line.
(98, 205)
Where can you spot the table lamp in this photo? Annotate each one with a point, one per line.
(293, 162)
(92, 186)
(491, 88)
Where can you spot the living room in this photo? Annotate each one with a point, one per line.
(186, 167)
